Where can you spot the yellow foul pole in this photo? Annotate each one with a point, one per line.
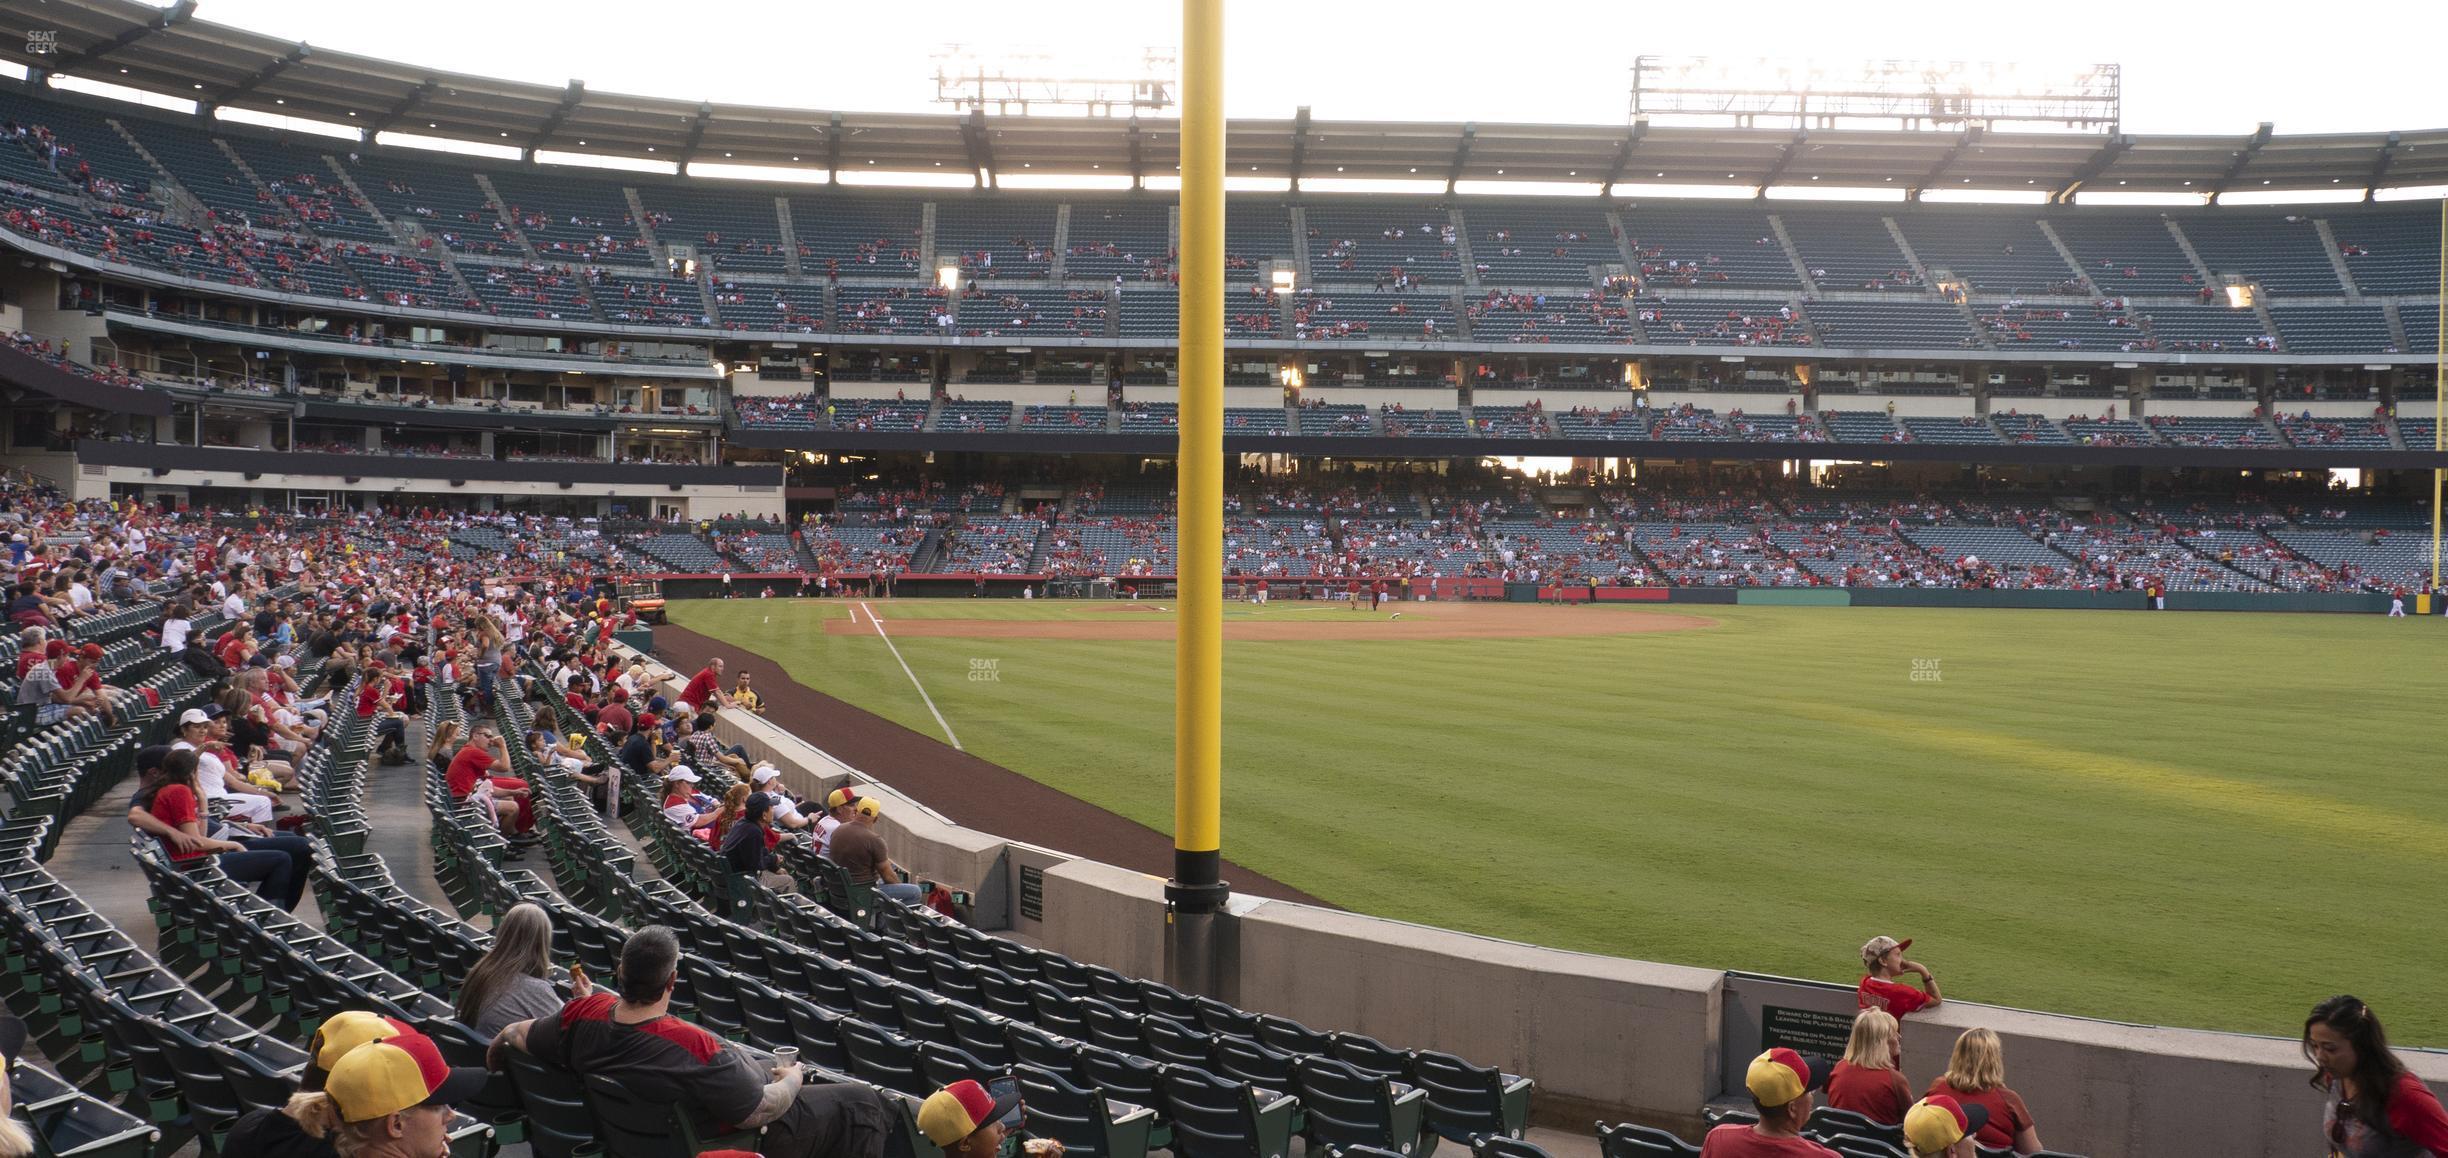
(1197, 890)
(2439, 396)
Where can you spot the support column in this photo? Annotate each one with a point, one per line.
(1194, 898)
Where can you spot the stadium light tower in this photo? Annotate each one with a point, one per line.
(1888, 94)
(1194, 898)
(1024, 80)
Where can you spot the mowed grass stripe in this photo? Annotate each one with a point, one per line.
(2131, 816)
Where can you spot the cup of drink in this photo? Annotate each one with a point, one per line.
(786, 1057)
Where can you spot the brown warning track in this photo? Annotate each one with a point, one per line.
(972, 792)
(1297, 621)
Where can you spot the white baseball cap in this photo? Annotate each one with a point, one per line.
(195, 716)
(763, 773)
(682, 772)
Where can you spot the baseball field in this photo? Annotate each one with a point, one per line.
(2209, 820)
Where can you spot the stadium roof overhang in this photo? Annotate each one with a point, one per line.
(170, 52)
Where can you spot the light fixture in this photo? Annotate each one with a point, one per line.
(948, 273)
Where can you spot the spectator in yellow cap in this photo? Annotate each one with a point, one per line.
(1780, 1082)
(390, 1097)
(1941, 1127)
(966, 1121)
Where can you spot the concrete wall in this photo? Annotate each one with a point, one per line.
(1374, 397)
(1708, 400)
(701, 502)
(1601, 1035)
(1914, 405)
(2057, 408)
(1029, 395)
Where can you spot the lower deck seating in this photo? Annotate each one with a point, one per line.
(2222, 432)
(1627, 423)
(974, 417)
(2030, 428)
(1965, 431)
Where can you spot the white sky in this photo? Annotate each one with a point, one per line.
(2189, 67)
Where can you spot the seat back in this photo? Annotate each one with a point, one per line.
(1828, 1122)
(1464, 1100)
(1855, 1146)
(1507, 1148)
(1244, 1060)
(1210, 1118)
(1067, 1113)
(558, 1119)
(1633, 1141)
(631, 1127)
(1345, 1106)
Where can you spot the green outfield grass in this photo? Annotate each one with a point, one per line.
(2194, 819)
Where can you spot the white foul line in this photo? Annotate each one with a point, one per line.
(913, 677)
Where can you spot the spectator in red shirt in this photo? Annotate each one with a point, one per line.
(169, 807)
(2375, 1108)
(1867, 1081)
(1780, 1082)
(1884, 958)
(378, 697)
(704, 688)
(1976, 1075)
(614, 719)
(468, 770)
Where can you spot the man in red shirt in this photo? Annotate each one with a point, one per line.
(1780, 1082)
(469, 767)
(379, 696)
(615, 720)
(703, 688)
(1884, 958)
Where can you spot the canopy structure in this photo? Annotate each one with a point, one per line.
(169, 51)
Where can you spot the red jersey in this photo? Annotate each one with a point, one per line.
(1896, 999)
(469, 765)
(701, 688)
(1879, 1095)
(175, 805)
(1736, 1140)
(2007, 1114)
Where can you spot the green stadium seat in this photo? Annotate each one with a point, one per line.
(1344, 1105)
(1084, 1120)
(631, 1127)
(1214, 1118)
(1466, 1101)
(1632, 1141)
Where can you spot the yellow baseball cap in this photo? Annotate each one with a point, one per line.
(342, 1032)
(406, 1070)
(870, 806)
(1938, 1121)
(1781, 1075)
(959, 1110)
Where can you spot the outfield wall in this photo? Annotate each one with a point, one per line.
(1605, 1037)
